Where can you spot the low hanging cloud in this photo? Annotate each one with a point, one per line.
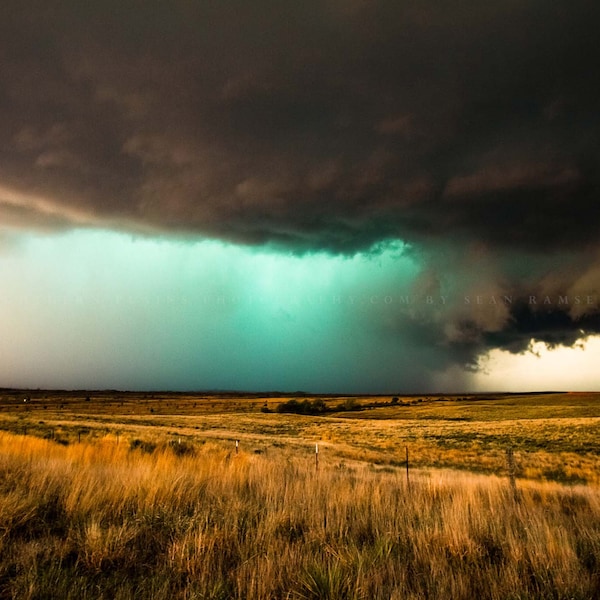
(467, 130)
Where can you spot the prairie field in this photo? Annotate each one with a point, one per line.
(111, 495)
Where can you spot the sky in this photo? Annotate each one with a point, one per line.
(342, 196)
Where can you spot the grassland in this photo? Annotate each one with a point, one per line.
(117, 495)
(554, 436)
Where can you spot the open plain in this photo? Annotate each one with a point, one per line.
(147, 495)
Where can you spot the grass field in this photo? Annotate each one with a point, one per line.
(122, 495)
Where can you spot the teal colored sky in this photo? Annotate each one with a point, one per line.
(99, 309)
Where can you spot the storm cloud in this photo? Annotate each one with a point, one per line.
(467, 130)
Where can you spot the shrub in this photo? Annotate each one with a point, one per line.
(147, 447)
(182, 448)
(306, 407)
(350, 404)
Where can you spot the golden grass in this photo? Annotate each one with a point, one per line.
(554, 436)
(99, 520)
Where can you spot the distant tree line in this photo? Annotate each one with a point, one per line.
(319, 407)
(304, 407)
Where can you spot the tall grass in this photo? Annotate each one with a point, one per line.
(102, 521)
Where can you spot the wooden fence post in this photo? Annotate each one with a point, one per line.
(316, 457)
(407, 479)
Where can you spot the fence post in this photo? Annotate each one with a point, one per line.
(407, 479)
(237, 446)
(316, 457)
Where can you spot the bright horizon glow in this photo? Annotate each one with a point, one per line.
(560, 368)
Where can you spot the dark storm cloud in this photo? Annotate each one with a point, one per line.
(330, 125)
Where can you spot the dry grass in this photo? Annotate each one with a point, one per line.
(99, 520)
(554, 435)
